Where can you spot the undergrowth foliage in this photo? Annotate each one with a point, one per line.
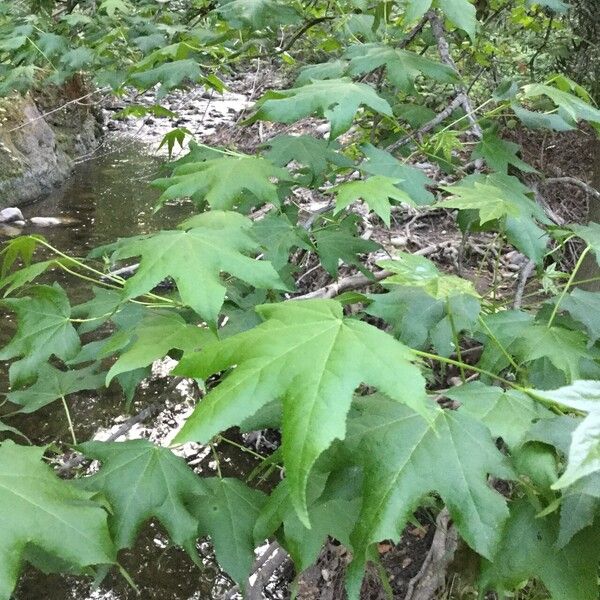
(355, 379)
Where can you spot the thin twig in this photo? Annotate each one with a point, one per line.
(574, 181)
(524, 275)
(437, 27)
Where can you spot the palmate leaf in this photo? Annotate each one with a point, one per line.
(152, 339)
(584, 452)
(53, 384)
(410, 179)
(227, 511)
(39, 511)
(376, 191)
(417, 318)
(44, 330)
(337, 100)
(572, 106)
(527, 550)
(405, 457)
(503, 197)
(341, 243)
(499, 153)
(277, 236)
(417, 271)
(402, 67)
(142, 481)
(333, 505)
(314, 153)
(205, 246)
(584, 307)
(310, 357)
(507, 413)
(221, 182)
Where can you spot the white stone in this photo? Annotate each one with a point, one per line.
(45, 221)
(9, 215)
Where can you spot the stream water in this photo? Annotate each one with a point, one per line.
(110, 197)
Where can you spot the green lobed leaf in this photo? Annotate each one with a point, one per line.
(376, 191)
(410, 179)
(53, 384)
(499, 153)
(39, 510)
(44, 330)
(402, 66)
(314, 153)
(527, 550)
(405, 457)
(506, 413)
(205, 246)
(340, 244)
(227, 512)
(221, 182)
(336, 100)
(152, 339)
(257, 14)
(277, 360)
(142, 481)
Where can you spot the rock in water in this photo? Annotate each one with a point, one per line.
(51, 221)
(10, 215)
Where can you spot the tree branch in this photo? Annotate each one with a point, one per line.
(437, 28)
(354, 282)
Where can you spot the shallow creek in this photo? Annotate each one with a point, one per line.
(110, 197)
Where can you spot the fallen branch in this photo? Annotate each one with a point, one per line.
(586, 187)
(354, 282)
(432, 573)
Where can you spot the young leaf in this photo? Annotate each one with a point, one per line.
(402, 67)
(142, 481)
(375, 191)
(53, 384)
(38, 509)
(564, 348)
(312, 358)
(222, 181)
(44, 330)
(227, 511)
(527, 550)
(574, 107)
(508, 414)
(205, 246)
(488, 200)
(337, 100)
(418, 271)
(170, 75)
(152, 339)
(405, 458)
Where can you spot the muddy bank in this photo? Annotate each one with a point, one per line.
(41, 136)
